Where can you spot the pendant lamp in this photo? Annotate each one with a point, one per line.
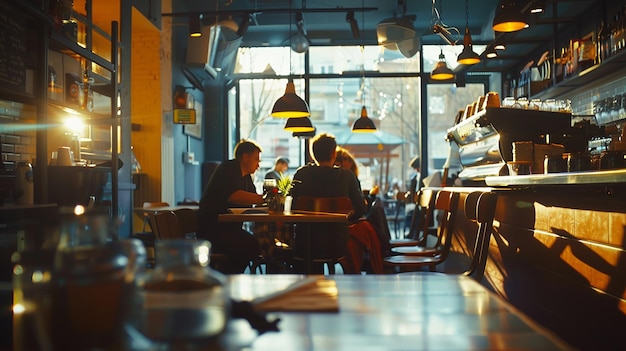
(195, 26)
(509, 17)
(441, 71)
(467, 56)
(290, 105)
(363, 124)
(299, 125)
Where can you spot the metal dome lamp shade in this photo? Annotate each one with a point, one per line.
(508, 17)
(363, 124)
(290, 105)
(299, 125)
(441, 71)
(467, 56)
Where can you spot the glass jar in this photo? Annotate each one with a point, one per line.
(183, 299)
(90, 292)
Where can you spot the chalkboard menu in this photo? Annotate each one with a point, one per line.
(14, 51)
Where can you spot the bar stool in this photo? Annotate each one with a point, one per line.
(447, 202)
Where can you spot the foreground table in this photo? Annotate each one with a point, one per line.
(393, 312)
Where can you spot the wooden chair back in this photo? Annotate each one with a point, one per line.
(187, 221)
(480, 207)
(146, 214)
(447, 202)
(165, 226)
(338, 204)
(421, 223)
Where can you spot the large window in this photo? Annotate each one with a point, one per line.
(339, 82)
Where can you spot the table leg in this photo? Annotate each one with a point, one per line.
(307, 255)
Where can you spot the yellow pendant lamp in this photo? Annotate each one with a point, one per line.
(509, 17)
(467, 56)
(299, 125)
(441, 71)
(290, 105)
(363, 124)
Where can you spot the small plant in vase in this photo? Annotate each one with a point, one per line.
(284, 185)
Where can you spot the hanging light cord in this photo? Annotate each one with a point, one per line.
(363, 54)
(466, 14)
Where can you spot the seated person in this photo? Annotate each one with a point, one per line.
(323, 179)
(231, 186)
(281, 165)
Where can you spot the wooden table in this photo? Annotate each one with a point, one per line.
(154, 210)
(289, 217)
(392, 312)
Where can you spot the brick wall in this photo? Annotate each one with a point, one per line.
(17, 133)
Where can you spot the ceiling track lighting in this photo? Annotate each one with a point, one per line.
(467, 56)
(442, 71)
(509, 17)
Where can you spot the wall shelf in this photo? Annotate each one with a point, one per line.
(610, 67)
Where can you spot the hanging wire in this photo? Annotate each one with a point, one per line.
(466, 13)
(363, 53)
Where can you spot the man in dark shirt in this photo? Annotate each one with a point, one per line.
(324, 179)
(231, 185)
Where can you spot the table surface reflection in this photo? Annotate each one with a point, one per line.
(392, 312)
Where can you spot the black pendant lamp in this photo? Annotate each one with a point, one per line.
(195, 26)
(509, 17)
(467, 56)
(290, 105)
(299, 125)
(441, 71)
(363, 124)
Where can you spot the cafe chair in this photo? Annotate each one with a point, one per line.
(480, 208)
(187, 222)
(340, 204)
(423, 249)
(447, 202)
(165, 226)
(421, 225)
(148, 237)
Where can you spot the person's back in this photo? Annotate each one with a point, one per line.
(323, 179)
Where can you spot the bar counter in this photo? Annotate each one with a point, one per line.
(558, 252)
(616, 176)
